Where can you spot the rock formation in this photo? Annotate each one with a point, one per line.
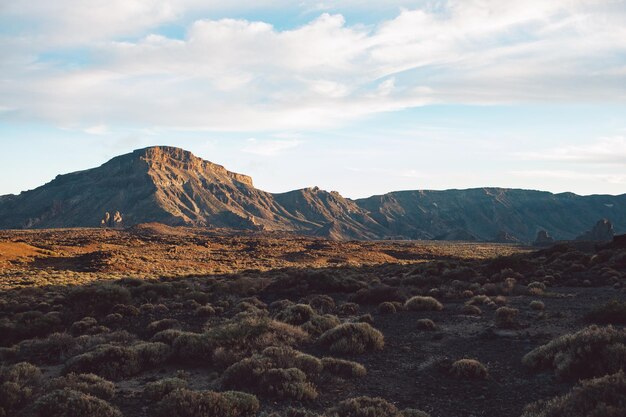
(174, 187)
(602, 231)
(543, 239)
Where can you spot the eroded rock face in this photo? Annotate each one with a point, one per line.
(543, 239)
(172, 186)
(602, 231)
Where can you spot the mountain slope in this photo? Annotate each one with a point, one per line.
(174, 187)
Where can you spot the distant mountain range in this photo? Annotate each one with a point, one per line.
(172, 186)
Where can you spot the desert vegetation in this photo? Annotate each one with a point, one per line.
(522, 334)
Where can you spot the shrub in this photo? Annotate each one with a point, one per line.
(152, 353)
(83, 325)
(322, 304)
(16, 385)
(279, 372)
(386, 308)
(471, 310)
(159, 325)
(22, 373)
(186, 403)
(420, 303)
(108, 361)
(537, 305)
(426, 324)
(377, 295)
(319, 324)
(192, 347)
(348, 308)
(352, 338)
(155, 391)
(469, 368)
(599, 397)
(613, 312)
(86, 383)
(590, 352)
(70, 403)
(364, 407)
(506, 317)
(296, 314)
(343, 368)
(98, 298)
(205, 311)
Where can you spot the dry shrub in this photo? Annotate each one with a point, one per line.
(296, 314)
(322, 304)
(421, 303)
(364, 407)
(155, 391)
(591, 352)
(319, 324)
(386, 308)
(479, 300)
(506, 317)
(352, 338)
(108, 361)
(205, 311)
(426, 324)
(70, 403)
(599, 397)
(17, 383)
(189, 347)
(83, 326)
(98, 298)
(469, 368)
(164, 324)
(471, 310)
(537, 305)
(343, 368)
(86, 383)
(277, 372)
(348, 309)
(377, 294)
(152, 353)
(187, 403)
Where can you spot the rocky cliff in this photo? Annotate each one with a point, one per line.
(172, 186)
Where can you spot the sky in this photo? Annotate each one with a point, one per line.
(361, 97)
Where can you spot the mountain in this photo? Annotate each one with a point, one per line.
(172, 186)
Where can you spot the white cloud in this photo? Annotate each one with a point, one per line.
(572, 176)
(270, 147)
(611, 150)
(97, 130)
(233, 74)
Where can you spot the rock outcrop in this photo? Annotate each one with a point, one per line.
(173, 187)
(543, 239)
(602, 231)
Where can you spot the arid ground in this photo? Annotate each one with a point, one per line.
(162, 321)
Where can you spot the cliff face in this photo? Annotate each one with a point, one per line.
(172, 186)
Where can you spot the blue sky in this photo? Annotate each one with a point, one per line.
(358, 97)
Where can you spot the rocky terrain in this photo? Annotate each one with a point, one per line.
(174, 187)
(167, 321)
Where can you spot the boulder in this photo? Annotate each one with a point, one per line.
(601, 232)
(543, 239)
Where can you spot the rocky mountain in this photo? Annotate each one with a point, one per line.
(174, 187)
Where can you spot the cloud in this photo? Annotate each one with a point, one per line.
(571, 175)
(270, 147)
(611, 150)
(235, 74)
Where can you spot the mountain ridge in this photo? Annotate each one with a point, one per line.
(172, 186)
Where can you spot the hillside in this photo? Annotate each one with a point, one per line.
(174, 187)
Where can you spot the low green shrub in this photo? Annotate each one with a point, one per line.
(421, 303)
(469, 368)
(352, 338)
(343, 368)
(70, 403)
(86, 383)
(187, 403)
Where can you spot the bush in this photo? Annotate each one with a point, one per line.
(16, 385)
(69, 403)
(159, 325)
(411, 412)
(86, 383)
(319, 324)
(322, 304)
(426, 324)
(155, 391)
(186, 403)
(471, 310)
(343, 368)
(613, 312)
(191, 347)
(296, 314)
(98, 298)
(599, 397)
(420, 303)
(591, 352)
(506, 317)
(352, 338)
(364, 407)
(386, 308)
(469, 368)
(537, 305)
(152, 353)
(279, 372)
(108, 361)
